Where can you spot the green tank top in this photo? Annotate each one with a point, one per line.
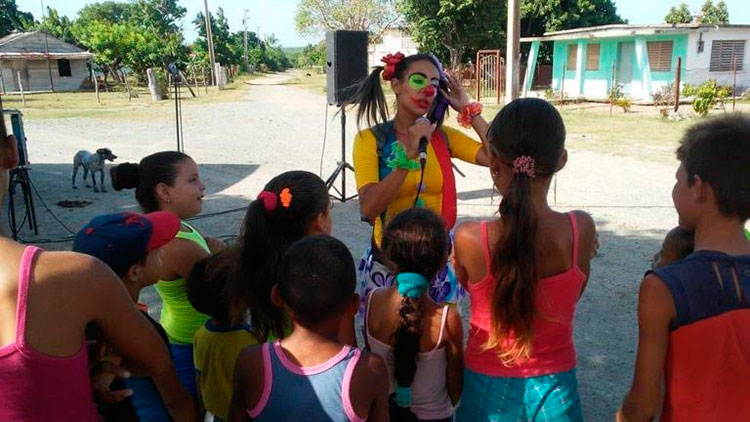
(178, 317)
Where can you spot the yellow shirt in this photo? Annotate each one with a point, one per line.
(215, 351)
(367, 171)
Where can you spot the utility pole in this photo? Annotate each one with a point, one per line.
(244, 23)
(512, 50)
(49, 64)
(210, 39)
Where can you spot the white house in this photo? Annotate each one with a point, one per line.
(643, 58)
(43, 63)
(392, 40)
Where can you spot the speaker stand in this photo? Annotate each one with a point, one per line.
(341, 167)
(20, 176)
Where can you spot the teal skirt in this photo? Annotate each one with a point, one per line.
(547, 398)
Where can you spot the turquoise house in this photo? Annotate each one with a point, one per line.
(587, 62)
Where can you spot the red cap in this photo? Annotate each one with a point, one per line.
(164, 227)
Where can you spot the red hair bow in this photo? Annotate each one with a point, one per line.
(391, 60)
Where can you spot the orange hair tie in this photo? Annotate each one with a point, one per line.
(286, 197)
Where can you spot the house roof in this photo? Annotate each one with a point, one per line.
(622, 30)
(38, 45)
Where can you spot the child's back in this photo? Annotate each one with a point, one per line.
(420, 340)
(709, 340)
(310, 375)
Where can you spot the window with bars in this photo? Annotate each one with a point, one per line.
(572, 56)
(592, 57)
(724, 52)
(660, 55)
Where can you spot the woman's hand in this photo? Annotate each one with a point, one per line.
(456, 94)
(421, 128)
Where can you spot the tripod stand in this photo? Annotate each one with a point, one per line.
(342, 166)
(177, 82)
(20, 176)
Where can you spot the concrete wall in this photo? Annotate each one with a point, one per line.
(35, 75)
(699, 62)
(596, 84)
(393, 40)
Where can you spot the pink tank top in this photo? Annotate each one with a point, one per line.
(38, 387)
(552, 350)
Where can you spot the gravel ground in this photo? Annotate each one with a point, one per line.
(278, 127)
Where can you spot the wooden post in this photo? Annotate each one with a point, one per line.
(614, 83)
(195, 79)
(20, 86)
(562, 86)
(734, 81)
(203, 75)
(677, 77)
(478, 78)
(497, 77)
(96, 86)
(127, 85)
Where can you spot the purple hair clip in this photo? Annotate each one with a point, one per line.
(524, 164)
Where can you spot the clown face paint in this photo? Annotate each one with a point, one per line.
(425, 89)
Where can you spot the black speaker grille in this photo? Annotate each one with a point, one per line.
(346, 64)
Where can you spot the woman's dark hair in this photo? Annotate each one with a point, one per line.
(265, 236)
(373, 108)
(527, 127)
(144, 176)
(415, 241)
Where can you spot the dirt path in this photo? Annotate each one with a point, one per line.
(278, 127)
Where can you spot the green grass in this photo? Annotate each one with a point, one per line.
(115, 104)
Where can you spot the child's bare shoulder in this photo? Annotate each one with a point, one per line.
(372, 368)
(250, 358)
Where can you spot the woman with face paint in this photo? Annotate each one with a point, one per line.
(386, 164)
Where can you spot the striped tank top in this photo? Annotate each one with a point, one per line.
(320, 392)
(178, 317)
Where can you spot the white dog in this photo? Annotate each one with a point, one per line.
(92, 163)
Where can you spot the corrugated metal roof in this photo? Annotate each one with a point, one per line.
(619, 30)
(34, 42)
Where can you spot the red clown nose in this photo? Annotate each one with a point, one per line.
(429, 90)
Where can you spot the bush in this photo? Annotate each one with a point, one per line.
(707, 95)
(618, 98)
(664, 99)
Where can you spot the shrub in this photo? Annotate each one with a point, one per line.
(706, 96)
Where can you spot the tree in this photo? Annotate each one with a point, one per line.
(57, 26)
(224, 48)
(452, 28)
(714, 15)
(316, 16)
(11, 19)
(679, 14)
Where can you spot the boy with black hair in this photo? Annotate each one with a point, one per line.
(310, 374)
(694, 315)
(129, 244)
(220, 340)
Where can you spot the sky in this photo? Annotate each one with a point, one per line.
(277, 16)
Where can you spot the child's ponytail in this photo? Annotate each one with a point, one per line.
(416, 245)
(529, 136)
(279, 216)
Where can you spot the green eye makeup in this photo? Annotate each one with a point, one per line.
(417, 81)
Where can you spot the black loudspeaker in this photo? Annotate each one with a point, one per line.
(346, 64)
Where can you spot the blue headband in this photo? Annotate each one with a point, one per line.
(412, 284)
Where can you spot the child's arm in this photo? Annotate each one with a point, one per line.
(247, 383)
(588, 243)
(454, 373)
(179, 403)
(468, 237)
(368, 392)
(655, 312)
(201, 406)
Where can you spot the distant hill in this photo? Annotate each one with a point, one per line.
(292, 50)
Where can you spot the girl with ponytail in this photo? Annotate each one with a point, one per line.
(291, 206)
(388, 174)
(420, 340)
(524, 272)
(170, 181)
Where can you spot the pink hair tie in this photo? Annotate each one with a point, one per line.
(269, 200)
(524, 164)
